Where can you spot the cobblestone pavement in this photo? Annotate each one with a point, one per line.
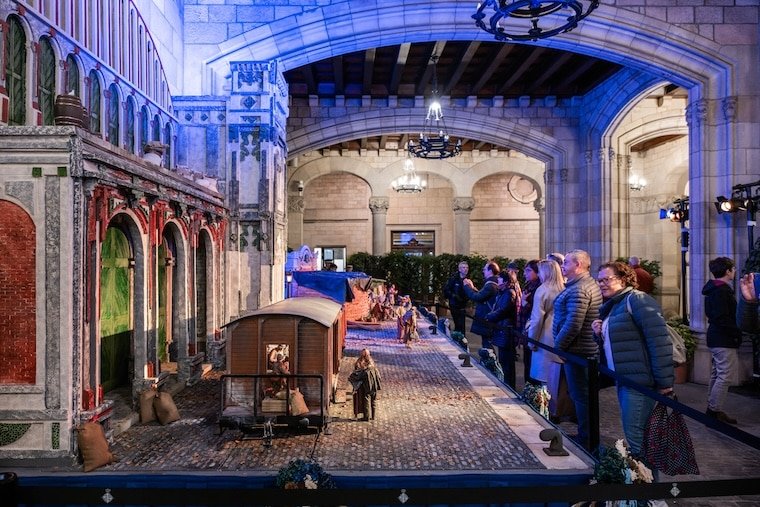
(429, 418)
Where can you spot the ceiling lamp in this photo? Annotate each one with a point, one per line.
(409, 182)
(434, 141)
(636, 182)
(562, 16)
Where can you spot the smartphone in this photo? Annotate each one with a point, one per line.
(757, 284)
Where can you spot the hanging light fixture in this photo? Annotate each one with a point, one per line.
(409, 182)
(434, 141)
(562, 16)
(636, 182)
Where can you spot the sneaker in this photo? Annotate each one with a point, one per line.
(721, 416)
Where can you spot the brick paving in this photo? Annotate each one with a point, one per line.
(429, 418)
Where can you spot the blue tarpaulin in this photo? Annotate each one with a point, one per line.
(333, 284)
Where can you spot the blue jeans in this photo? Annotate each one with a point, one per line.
(577, 384)
(635, 409)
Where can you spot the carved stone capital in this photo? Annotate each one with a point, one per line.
(296, 204)
(696, 112)
(463, 205)
(539, 204)
(379, 205)
(729, 108)
(563, 175)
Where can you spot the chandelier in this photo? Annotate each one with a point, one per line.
(636, 182)
(409, 182)
(562, 16)
(434, 141)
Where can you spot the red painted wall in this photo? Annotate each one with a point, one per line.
(17, 296)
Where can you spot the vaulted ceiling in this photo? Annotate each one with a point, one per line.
(463, 69)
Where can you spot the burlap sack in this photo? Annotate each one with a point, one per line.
(147, 412)
(166, 410)
(297, 403)
(93, 446)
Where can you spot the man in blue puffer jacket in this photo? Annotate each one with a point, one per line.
(575, 309)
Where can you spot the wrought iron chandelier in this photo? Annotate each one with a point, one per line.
(409, 182)
(562, 16)
(434, 141)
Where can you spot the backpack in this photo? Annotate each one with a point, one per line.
(676, 340)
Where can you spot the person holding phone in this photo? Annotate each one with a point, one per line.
(748, 318)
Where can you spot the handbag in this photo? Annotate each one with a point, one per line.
(667, 443)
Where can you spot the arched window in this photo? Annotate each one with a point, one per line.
(18, 332)
(94, 103)
(156, 128)
(168, 142)
(72, 76)
(46, 79)
(114, 103)
(144, 130)
(15, 70)
(130, 121)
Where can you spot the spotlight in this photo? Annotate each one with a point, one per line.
(674, 214)
(732, 205)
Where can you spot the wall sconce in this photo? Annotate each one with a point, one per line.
(636, 182)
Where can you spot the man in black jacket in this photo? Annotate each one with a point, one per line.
(454, 292)
(723, 335)
(575, 309)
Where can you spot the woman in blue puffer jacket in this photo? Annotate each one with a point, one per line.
(635, 343)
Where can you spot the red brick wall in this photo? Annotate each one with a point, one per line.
(355, 310)
(17, 296)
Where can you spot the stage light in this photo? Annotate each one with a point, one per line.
(732, 205)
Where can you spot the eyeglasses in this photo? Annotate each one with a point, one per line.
(607, 280)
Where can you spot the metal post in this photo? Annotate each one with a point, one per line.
(684, 291)
(593, 403)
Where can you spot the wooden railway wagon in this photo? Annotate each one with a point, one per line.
(296, 336)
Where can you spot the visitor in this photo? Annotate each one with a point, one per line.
(636, 345)
(723, 335)
(749, 320)
(575, 308)
(643, 277)
(456, 296)
(367, 377)
(504, 318)
(546, 367)
(485, 300)
(532, 282)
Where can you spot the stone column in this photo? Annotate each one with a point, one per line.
(379, 208)
(538, 205)
(462, 207)
(295, 221)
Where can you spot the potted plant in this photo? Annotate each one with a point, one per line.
(681, 371)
